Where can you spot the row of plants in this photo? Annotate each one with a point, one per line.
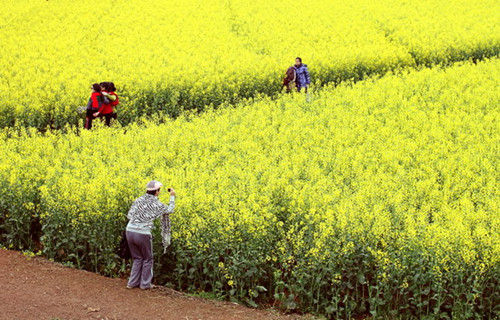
(166, 57)
(378, 198)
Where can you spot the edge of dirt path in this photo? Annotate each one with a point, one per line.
(35, 288)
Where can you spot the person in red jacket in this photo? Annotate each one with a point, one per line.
(94, 104)
(110, 102)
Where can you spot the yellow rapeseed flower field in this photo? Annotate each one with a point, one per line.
(379, 197)
(166, 56)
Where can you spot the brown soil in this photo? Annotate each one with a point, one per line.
(35, 288)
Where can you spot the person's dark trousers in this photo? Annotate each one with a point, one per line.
(108, 117)
(89, 116)
(141, 250)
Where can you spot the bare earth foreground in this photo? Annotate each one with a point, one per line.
(35, 288)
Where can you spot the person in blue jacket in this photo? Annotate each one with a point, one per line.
(302, 79)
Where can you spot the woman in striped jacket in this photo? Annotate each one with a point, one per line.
(141, 215)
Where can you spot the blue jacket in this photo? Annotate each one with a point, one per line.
(303, 79)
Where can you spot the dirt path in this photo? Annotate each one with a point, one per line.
(34, 288)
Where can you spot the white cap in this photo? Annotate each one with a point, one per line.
(153, 185)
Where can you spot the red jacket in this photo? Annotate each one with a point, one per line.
(108, 108)
(95, 101)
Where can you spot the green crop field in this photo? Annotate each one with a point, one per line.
(379, 197)
(374, 195)
(168, 56)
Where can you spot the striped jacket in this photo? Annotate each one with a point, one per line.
(145, 210)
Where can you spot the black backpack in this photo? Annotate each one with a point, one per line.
(123, 249)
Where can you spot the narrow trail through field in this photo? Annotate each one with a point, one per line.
(35, 288)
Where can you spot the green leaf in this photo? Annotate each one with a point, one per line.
(252, 303)
(261, 289)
